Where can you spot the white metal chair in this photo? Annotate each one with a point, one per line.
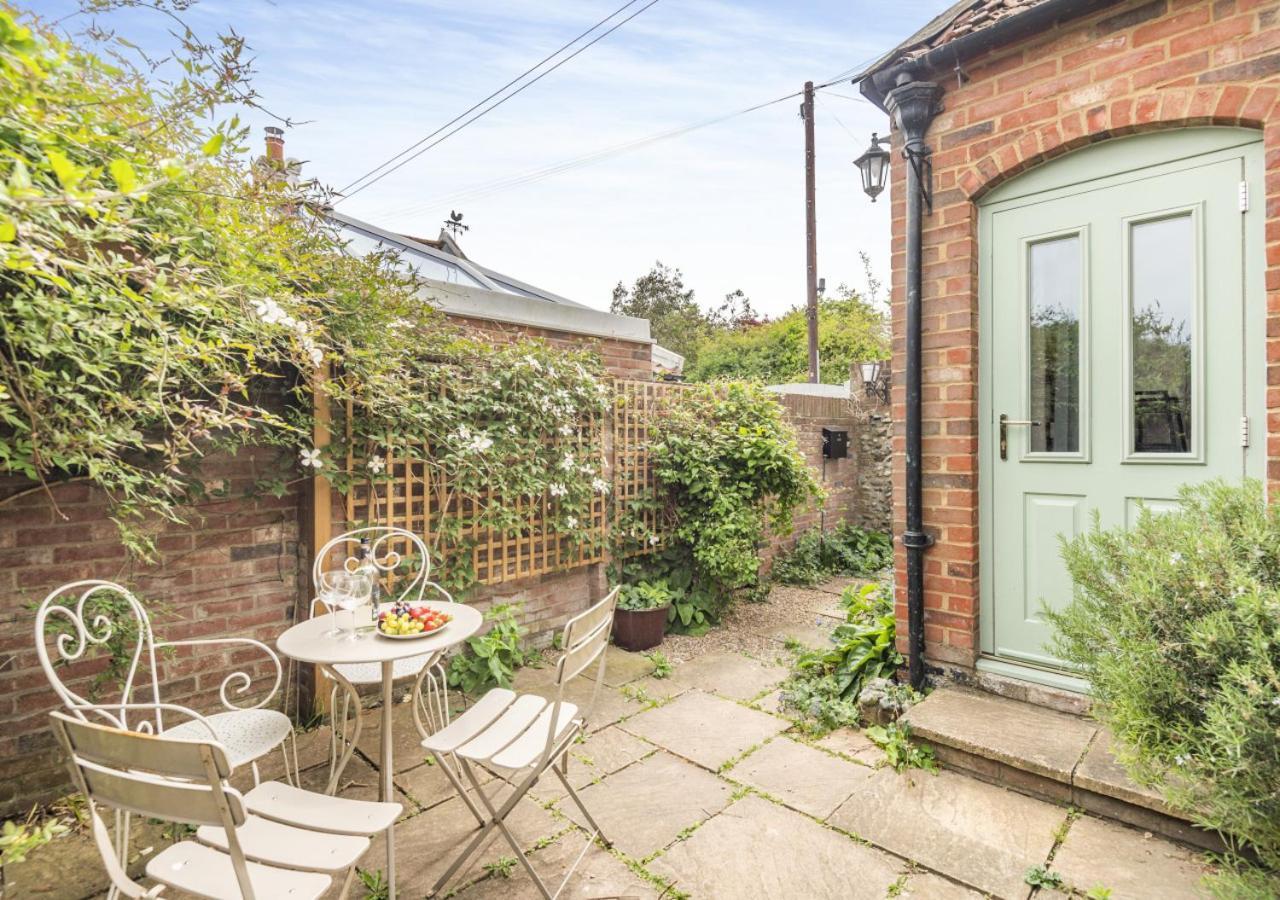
(519, 737)
(84, 614)
(391, 551)
(277, 841)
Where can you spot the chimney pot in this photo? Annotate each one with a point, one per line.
(275, 143)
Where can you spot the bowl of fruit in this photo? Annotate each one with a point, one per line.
(405, 621)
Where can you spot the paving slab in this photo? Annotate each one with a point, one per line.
(429, 842)
(708, 730)
(70, 867)
(1101, 773)
(1133, 864)
(731, 675)
(601, 754)
(759, 849)
(977, 833)
(646, 805)
(622, 667)
(801, 777)
(599, 875)
(851, 742)
(1027, 737)
(428, 786)
(406, 743)
(928, 886)
(813, 632)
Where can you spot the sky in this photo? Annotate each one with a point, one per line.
(724, 203)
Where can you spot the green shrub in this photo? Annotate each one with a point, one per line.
(1176, 624)
(845, 550)
(824, 684)
(492, 657)
(644, 595)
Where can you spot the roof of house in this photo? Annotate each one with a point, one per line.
(461, 286)
(963, 18)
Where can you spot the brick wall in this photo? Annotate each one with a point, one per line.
(1133, 67)
(232, 570)
(621, 358)
(857, 486)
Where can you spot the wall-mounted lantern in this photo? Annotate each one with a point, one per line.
(875, 380)
(874, 166)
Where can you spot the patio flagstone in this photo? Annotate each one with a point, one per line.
(601, 754)
(852, 743)
(975, 832)
(731, 675)
(644, 807)
(621, 667)
(813, 632)
(759, 849)
(706, 729)
(803, 778)
(1131, 863)
(599, 875)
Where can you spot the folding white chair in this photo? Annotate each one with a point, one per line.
(520, 737)
(277, 841)
(390, 551)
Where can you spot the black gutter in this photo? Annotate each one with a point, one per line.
(875, 85)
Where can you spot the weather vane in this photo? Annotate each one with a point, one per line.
(454, 224)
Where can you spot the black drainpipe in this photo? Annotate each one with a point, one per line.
(913, 105)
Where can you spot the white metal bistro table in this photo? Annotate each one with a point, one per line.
(307, 642)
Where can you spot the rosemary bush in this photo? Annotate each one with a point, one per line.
(1176, 624)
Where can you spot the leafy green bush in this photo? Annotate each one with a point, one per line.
(1176, 624)
(845, 550)
(824, 684)
(645, 595)
(492, 657)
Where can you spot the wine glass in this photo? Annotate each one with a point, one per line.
(333, 586)
(356, 592)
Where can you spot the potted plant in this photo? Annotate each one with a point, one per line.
(641, 616)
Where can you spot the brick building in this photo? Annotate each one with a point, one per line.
(1100, 268)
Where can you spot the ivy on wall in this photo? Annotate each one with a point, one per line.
(161, 291)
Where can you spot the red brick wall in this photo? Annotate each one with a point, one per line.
(622, 359)
(850, 482)
(232, 570)
(1133, 67)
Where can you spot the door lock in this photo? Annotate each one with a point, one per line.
(1005, 422)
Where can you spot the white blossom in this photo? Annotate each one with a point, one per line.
(376, 464)
(566, 430)
(558, 490)
(476, 442)
(599, 485)
(269, 311)
(310, 458)
(567, 463)
(572, 521)
(653, 540)
(533, 363)
(1175, 558)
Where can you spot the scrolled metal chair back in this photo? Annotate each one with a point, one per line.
(389, 548)
(81, 615)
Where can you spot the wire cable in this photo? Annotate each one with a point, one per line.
(491, 108)
(539, 64)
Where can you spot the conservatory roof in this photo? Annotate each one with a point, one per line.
(461, 286)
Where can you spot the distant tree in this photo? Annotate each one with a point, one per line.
(850, 330)
(675, 319)
(735, 313)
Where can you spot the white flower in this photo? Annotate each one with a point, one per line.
(376, 464)
(653, 539)
(1182, 760)
(572, 521)
(310, 458)
(1175, 558)
(533, 363)
(316, 354)
(567, 463)
(477, 442)
(269, 311)
(566, 430)
(558, 490)
(599, 485)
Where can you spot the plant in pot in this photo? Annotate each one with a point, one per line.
(641, 616)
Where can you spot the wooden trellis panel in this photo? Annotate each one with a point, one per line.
(411, 497)
(636, 405)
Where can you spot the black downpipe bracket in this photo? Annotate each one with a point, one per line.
(913, 104)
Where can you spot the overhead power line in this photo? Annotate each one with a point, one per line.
(418, 149)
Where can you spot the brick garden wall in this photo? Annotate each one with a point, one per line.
(1136, 66)
(238, 568)
(858, 487)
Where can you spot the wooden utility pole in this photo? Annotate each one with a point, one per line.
(811, 232)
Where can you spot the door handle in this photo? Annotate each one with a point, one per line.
(1005, 422)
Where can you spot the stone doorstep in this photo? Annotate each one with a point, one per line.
(1045, 754)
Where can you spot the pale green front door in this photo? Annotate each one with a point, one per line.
(1118, 351)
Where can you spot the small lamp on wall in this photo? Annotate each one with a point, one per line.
(875, 381)
(874, 166)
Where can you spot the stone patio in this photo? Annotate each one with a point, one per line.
(706, 795)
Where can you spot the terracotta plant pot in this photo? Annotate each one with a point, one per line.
(639, 629)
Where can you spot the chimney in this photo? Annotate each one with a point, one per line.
(275, 144)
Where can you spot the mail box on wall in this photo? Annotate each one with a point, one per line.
(835, 443)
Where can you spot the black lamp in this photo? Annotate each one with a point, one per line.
(874, 166)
